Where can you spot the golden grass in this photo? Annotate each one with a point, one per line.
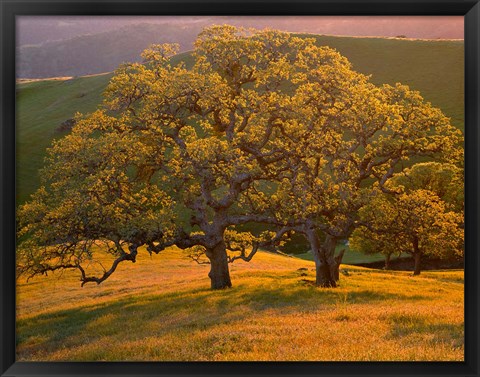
(161, 308)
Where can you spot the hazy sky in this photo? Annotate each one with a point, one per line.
(39, 29)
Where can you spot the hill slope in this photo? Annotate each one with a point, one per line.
(41, 107)
(433, 67)
(161, 308)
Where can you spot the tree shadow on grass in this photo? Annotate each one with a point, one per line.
(405, 325)
(364, 295)
(129, 318)
(368, 295)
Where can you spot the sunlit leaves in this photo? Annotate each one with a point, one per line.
(264, 127)
(425, 215)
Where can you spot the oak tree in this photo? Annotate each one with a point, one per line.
(197, 136)
(261, 127)
(361, 134)
(417, 222)
(423, 201)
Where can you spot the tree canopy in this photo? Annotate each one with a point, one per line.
(417, 223)
(265, 128)
(371, 133)
(421, 215)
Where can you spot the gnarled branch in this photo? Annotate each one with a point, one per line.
(131, 256)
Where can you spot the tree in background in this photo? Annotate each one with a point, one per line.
(443, 182)
(418, 223)
(444, 179)
(422, 215)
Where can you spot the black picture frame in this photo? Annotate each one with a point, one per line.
(10, 8)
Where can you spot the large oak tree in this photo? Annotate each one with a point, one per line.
(198, 137)
(262, 127)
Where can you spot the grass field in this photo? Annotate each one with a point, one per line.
(161, 308)
(433, 67)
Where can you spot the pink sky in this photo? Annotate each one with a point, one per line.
(39, 29)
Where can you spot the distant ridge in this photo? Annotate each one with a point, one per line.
(102, 51)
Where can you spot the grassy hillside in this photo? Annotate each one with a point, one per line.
(161, 308)
(353, 257)
(433, 67)
(52, 46)
(41, 107)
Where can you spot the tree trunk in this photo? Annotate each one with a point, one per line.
(387, 261)
(324, 278)
(417, 258)
(338, 262)
(329, 275)
(417, 255)
(219, 273)
(325, 264)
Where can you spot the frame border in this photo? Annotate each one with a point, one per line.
(470, 9)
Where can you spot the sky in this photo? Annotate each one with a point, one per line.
(40, 29)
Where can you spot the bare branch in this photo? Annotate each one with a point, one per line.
(126, 256)
(243, 255)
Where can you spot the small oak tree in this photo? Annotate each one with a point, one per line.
(417, 222)
(444, 179)
(444, 183)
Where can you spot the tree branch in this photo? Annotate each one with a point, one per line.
(126, 256)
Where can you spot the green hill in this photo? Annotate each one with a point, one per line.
(41, 107)
(435, 68)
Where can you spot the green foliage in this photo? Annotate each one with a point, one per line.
(423, 214)
(444, 179)
(89, 199)
(264, 127)
(414, 62)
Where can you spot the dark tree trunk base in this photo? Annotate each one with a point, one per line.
(324, 277)
(387, 261)
(417, 258)
(327, 284)
(221, 283)
(219, 273)
(327, 265)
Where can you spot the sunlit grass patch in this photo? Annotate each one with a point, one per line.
(161, 308)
